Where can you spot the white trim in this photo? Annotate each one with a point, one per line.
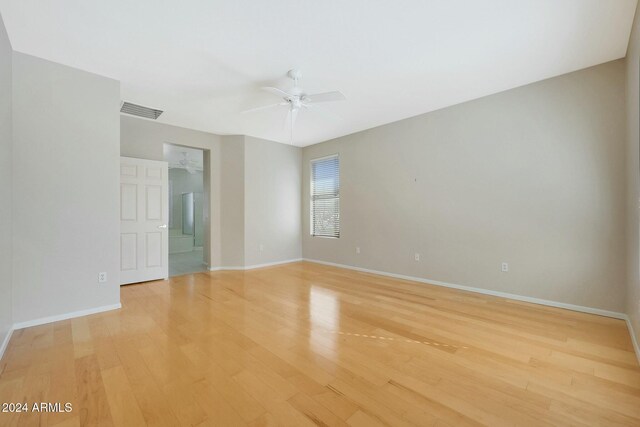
(613, 314)
(330, 156)
(549, 303)
(222, 268)
(5, 343)
(251, 267)
(636, 347)
(58, 317)
(532, 300)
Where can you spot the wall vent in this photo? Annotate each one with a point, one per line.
(140, 111)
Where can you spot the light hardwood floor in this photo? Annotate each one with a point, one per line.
(306, 344)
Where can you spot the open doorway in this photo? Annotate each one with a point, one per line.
(186, 209)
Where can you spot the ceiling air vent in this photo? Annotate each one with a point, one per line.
(140, 111)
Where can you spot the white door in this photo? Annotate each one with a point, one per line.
(144, 215)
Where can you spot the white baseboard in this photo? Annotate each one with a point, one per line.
(590, 310)
(65, 316)
(251, 267)
(532, 300)
(5, 342)
(221, 268)
(51, 319)
(636, 347)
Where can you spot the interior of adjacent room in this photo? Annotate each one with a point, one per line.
(186, 209)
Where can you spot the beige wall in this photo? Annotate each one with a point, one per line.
(66, 131)
(255, 190)
(232, 201)
(6, 135)
(633, 178)
(533, 176)
(145, 139)
(260, 202)
(272, 202)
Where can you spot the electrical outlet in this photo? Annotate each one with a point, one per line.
(417, 256)
(357, 249)
(505, 267)
(102, 277)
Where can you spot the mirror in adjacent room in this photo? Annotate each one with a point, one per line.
(186, 209)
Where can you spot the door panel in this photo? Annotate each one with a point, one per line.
(154, 202)
(144, 212)
(128, 202)
(128, 170)
(128, 251)
(154, 173)
(154, 249)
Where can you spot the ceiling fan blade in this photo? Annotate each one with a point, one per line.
(287, 120)
(294, 116)
(321, 110)
(277, 92)
(264, 107)
(325, 97)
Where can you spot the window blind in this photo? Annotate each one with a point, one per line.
(325, 197)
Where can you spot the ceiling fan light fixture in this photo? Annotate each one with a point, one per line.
(296, 99)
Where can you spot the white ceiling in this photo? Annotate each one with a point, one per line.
(203, 61)
(174, 153)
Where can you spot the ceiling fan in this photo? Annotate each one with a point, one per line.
(296, 99)
(189, 165)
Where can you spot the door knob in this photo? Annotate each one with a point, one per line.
(162, 226)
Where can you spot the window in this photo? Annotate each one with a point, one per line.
(325, 197)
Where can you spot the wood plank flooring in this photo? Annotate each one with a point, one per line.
(306, 344)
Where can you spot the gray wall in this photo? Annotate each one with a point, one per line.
(255, 190)
(66, 229)
(633, 178)
(6, 320)
(145, 139)
(533, 176)
(232, 201)
(272, 201)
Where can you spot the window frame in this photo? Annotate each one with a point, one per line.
(311, 199)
